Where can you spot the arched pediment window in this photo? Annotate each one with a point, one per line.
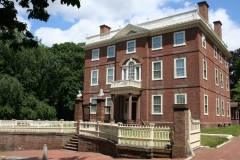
(131, 70)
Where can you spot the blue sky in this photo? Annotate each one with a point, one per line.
(71, 24)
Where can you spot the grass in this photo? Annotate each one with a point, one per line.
(233, 130)
(212, 141)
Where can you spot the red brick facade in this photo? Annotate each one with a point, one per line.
(193, 85)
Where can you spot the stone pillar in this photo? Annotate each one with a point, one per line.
(138, 110)
(180, 124)
(112, 119)
(121, 105)
(100, 109)
(78, 110)
(129, 120)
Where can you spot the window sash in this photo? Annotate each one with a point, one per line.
(131, 71)
(215, 52)
(110, 75)
(223, 109)
(180, 98)
(157, 104)
(157, 70)
(95, 54)
(130, 46)
(180, 68)
(111, 51)
(94, 77)
(205, 104)
(203, 40)
(179, 38)
(93, 109)
(204, 69)
(216, 76)
(157, 42)
(217, 107)
(108, 104)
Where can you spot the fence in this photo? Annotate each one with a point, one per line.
(145, 136)
(38, 126)
(194, 132)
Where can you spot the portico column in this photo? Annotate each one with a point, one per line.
(138, 111)
(112, 108)
(129, 121)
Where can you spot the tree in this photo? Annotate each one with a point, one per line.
(13, 31)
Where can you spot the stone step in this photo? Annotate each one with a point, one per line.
(70, 148)
(71, 145)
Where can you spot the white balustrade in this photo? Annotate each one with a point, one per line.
(194, 132)
(126, 83)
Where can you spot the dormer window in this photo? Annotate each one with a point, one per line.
(131, 71)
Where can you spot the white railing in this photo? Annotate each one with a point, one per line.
(144, 136)
(38, 126)
(126, 83)
(194, 132)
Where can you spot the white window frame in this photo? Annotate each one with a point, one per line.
(136, 65)
(216, 76)
(108, 75)
(160, 70)
(204, 77)
(227, 83)
(228, 109)
(113, 51)
(91, 106)
(226, 64)
(220, 56)
(204, 42)
(174, 35)
(161, 105)
(177, 94)
(94, 77)
(222, 107)
(98, 51)
(205, 104)
(175, 69)
(217, 107)
(160, 43)
(221, 79)
(134, 41)
(106, 110)
(215, 52)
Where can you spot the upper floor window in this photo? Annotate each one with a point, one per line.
(94, 77)
(157, 70)
(179, 38)
(110, 51)
(93, 107)
(180, 98)
(227, 84)
(215, 52)
(203, 41)
(223, 111)
(157, 104)
(216, 76)
(131, 46)
(95, 54)
(217, 107)
(205, 104)
(110, 75)
(220, 56)
(226, 62)
(132, 70)
(156, 42)
(221, 79)
(205, 69)
(108, 105)
(180, 68)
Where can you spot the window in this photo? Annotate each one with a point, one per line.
(94, 77)
(111, 51)
(180, 98)
(205, 69)
(203, 41)
(156, 42)
(228, 109)
(216, 76)
(179, 38)
(227, 84)
(180, 68)
(217, 107)
(220, 56)
(131, 46)
(157, 104)
(226, 64)
(95, 54)
(93, 108)
(215, 52)
(221, 79)
(205, 104)
(132, 70)
(110, 75)
(223, 112)
(157, 70)
(108, 105)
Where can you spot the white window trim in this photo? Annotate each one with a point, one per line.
(135, 71)
(107, 105)
(215, 52)
(153, 70)
(226, 64)
(92, 75)
(113, 50)
(221, 80)
(90, 106)
(98, 54)
(185, 68)
(222, 108)
(160, 104)
(204, 42)
(220, 56)
(228, 109)
(217, 107)
(175, 98)
(205, 104)
(184, 41)
(216, 76)
(227, 83)
(134, 47)
(107, 75)
(160, 43)
(203, 69)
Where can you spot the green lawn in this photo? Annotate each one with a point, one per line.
(212, 141)
(233, 130)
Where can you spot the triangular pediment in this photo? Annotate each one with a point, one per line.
(130, 30)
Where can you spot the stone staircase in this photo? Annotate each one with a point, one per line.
(72, 144)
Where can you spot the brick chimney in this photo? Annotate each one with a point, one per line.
(104, 28)
(218, 28)
(203, 9)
